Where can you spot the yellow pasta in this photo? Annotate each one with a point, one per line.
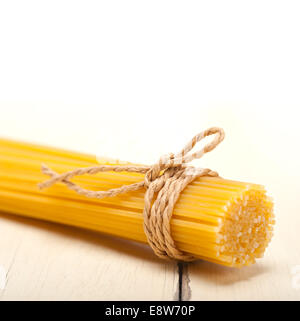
(219, 220)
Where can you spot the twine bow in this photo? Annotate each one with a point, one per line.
(166, 180)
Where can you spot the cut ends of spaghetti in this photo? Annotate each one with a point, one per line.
(247, 229)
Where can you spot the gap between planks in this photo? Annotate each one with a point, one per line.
(184, 291)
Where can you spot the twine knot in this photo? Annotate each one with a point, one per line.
(156, 169)
(164, 181)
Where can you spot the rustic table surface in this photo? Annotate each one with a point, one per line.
(46, 261)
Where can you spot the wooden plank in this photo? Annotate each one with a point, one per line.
(46, 261)
(270, 279)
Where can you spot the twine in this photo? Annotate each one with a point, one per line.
(164, 181)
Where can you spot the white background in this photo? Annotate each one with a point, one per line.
(136, 79)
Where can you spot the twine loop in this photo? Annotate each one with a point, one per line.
(164, 181)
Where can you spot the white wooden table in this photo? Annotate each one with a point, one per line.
(45, 261)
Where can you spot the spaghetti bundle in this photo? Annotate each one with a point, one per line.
(219, 220)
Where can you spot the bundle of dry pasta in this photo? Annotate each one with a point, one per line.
(219, 220)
